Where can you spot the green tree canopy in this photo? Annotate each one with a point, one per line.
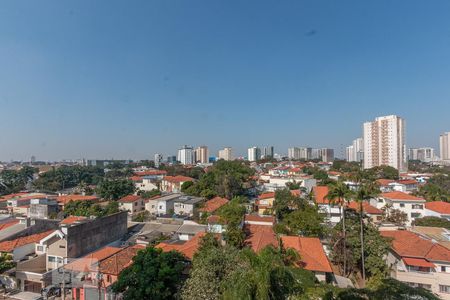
(115, 189)
(153, 275)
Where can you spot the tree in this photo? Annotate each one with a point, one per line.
(224, 179)
(87, 209)
(153, 275)
(285, 202)
(339, 192)
(13, 181)
(396, 217)
(305, 222)
(232, 214)
(375, 247)
(432, 222)
(365, 191)
(115, 189)
(149, 194)
(186, 185)
(6, 262)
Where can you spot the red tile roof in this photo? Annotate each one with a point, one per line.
(188, 248)
(256, 218)
(115, 263)
(418, 262)
(177, 179)
(439, 206)
(401, 196)
(408, 244)
(320, 194)
(367, 208)
(136, 178)
(9, 223)
(86, 262)
(214, 204)
(9, 246)
(384, 182)
(259, 236)
(130, 199)
(311, 252)
(72, 219)
(67, 198)
(407, 181)
(267, 195)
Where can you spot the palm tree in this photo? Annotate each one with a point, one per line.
(365, 191)
(339, 192)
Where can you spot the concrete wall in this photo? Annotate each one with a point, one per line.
(86, 237)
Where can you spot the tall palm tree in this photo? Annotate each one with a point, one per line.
(339, 192)
(365, 191)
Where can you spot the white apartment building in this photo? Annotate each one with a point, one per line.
(254, 153)
(355, 152)
(384, 143)
(226, 153)
(425, 154)
(202, 155)
(413, 206)
(267, 152)
(326, 154)
(186, 155)
(300, 153)
(158, 160)
(444, 146)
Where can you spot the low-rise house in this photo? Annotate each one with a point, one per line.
(43, 208)
(187, 205)
(330, 208)
(259, 220)
(264, 204)
(438, 209)
(187, 248)
(145, 184)
(162, 205)
(375, 214)
(419, 262)
(152, 174)
(404, 185)
(172, 184)
(413, 206)
(312, 255)
(21, 247)
(211, 206)
(260, 236)
(190, 229)
(134, 204)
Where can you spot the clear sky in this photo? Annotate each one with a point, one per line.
(126, 79)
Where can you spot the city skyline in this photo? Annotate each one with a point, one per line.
(77, 83)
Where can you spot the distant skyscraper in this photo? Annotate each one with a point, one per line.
(226, 153)
(444, 146)
(171, 159)
(326, 154)
(293, 153)
(253, 153)
(33, 159)
(202, 155)
(384, 143)
(355, 152)
(267, 152)
(425, 154)
(158, 159)
(186, 155)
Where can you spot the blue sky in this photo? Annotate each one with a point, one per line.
(126, 79)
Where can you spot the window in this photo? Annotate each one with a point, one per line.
(51, 259)
(443, 269)
(415, 215)
(108, 278)
(402, 204)
(153, 206)
(417, 206)
(40, 248)
(444, 289)
(160, 207)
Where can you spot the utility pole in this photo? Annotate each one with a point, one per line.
(99, 284)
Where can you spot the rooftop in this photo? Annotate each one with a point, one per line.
(9, 246)
(439, 206)
(214, 204)
(259, 236)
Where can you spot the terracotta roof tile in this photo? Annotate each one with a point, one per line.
(311, 252)
(439, 206)
(214, 204)
(67, 198)
(72, 219)
(9, 223)
(9, 246)
(115, 263)
(130, 199)
(408, 244)
(86, 263)
(267, 195)
(367, 208)
(260, 236)
(401, 196)
(256, 218)
(188, 248)
(177, 179)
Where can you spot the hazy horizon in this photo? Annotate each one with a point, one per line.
(114, 79)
